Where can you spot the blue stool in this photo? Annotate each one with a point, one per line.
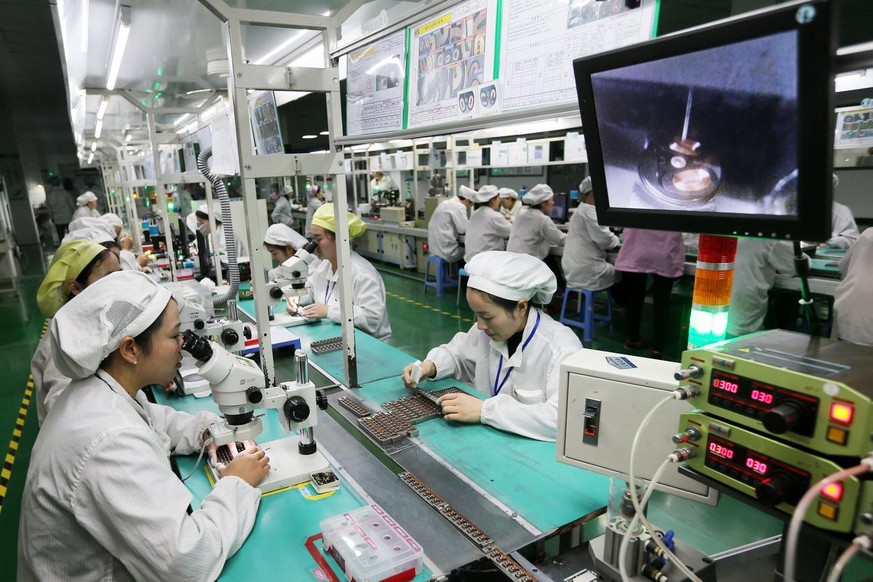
(441, 277)
(585, 318)
(462, 272)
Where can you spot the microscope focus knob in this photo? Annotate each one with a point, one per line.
(199, 324)
(321, 399)
(275, 292)
(296, 409)
(230, 337)
(784, 417)
(254, 395)
(777, 489)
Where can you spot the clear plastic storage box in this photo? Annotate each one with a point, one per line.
(370, 547)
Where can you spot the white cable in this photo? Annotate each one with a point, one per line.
(625, 540)
(206, 443)
(803, 506)
(837, 570)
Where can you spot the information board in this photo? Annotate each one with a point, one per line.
(374, 102)
(854, 127)
(541, 39)
(452, 65)
(265, 123)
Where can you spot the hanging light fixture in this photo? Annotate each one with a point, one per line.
(122, 32)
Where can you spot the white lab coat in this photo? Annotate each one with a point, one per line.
(368, 296)
(512, 214)
(487, 230)
(584, 261)
(282, 212)
(314, 204)
(755, 268)
(854, 317)
(448, 222)
(241, 250)
(85, 212)
(48, 382)
(128, 261)
(844, 231)
(533, 233)
(377, 187)
(102, 503)
(527, 404)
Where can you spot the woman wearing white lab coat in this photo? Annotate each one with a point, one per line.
(370, 313)
(854, 318)
(316, 199)
(101, 501)
(510, 205)
(282, 242)
(584, 260)
(512, 355)
(534, 232)
(76, 265)
(447, 224)
(487, 230)
(87, 206)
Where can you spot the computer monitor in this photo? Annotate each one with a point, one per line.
(559, 210)
(723, 129)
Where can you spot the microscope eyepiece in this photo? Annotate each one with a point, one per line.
(196, 346)
(310, 246)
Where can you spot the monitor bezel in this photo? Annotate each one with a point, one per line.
(815, 109)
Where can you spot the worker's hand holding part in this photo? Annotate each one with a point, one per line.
(251, 465)
(418, 371)
(315, 310)
(292, 304)
(461, 407)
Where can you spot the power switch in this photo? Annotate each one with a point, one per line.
(591, 422)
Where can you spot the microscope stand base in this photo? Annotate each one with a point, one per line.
(287, 466)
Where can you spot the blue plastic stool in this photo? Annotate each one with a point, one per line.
(588, 320)
(441, 277)
(462, 272)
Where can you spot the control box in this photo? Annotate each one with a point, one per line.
(809, 391)
(603, 399)
(774, 473)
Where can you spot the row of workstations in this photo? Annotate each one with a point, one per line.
(510, 487)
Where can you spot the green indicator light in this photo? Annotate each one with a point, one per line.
(156, 86)
(160, 72)
(706, 328)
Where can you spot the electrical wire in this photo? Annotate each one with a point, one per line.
(676, 395)
(845, 557)
(206, 443)
(625, 540)
(803, 505)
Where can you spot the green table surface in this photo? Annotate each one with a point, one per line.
(376, 359)
(825, 267)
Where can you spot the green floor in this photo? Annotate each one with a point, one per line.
(418, 321)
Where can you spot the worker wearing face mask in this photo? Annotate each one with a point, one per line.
(199, 221)
(101, 501)
(87, 206)
(487, 230)
(510, 205)
(512, 354)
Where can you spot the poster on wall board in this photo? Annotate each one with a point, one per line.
(541, 39)
(854, 127)
(451, 59)
(265, 123)
(375, 86)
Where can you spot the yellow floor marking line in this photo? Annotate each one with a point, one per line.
(426, 306)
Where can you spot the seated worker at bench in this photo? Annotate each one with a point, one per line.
(512, 354)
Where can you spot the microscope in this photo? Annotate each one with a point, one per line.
(291, 283)
(239, 387)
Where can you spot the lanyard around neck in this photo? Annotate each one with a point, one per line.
(328, 291)
(497, 388)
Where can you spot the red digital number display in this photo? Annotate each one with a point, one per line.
(756, 465)
(761, 396)
(721, 450)
(721, 384)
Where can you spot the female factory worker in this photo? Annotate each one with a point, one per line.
(510, 205)
(282, 242)
(512, 354)
(447, 223)
(487, 230)
(199, 221)
(282, 210)
(76, 265)
(101, 501)
(584, 260)
(854, 318)
(87, 206)
(368, 290)
(316, 199)
(534, 232)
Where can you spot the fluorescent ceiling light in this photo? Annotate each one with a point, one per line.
(93, 146)
(104, 103)
(128, 137)
(196, 91)
(851, 75)
(117, 54)
(282, 49)
(98, 129)
(324, 133)
(310, 136)
(90, 157)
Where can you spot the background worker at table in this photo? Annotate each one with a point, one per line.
(282, 242)
(447, 223)
(487, 229)
(76, 265)
(512, 354)
(368, 289)
(87, 206)
(534, 232)
(510, 205)
(316, 199)
(584, 260)
(283, 207)
(101, 501)
(852, 311)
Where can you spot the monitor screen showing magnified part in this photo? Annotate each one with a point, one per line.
(724, 129)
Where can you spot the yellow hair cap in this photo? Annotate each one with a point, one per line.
(69, 261)
(323, 217)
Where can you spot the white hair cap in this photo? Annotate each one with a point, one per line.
(284, 236)
(288, 190)
(512, 276)
(836, 180)
(585, 186)
(485, 193)
(538, 194)
(89, 228)
(90, 326)
(467, 193)
(91, 223)
(112, 219)
(85, 198)
(508, 193)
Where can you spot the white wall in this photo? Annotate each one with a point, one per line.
(856, 191)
